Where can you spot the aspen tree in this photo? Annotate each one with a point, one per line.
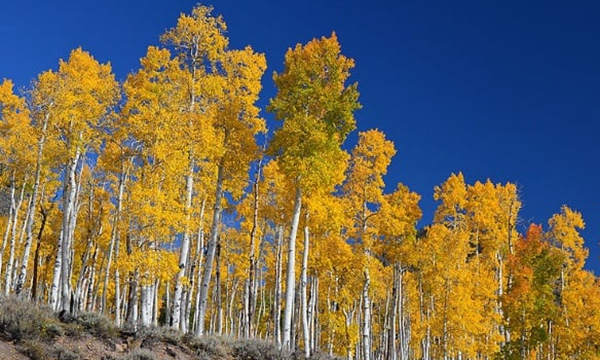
(199, 43)
(317, 108)
(396, 224)
(17, 155)
(529, 303)
(80, 95)
(564, 234)
(221, 86)
(364, 192)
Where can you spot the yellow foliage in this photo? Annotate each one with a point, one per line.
(564, 232)
(17, 137)
(318, 109)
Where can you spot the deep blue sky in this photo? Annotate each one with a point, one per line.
(506, 90)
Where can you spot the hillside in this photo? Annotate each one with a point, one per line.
(31, 332)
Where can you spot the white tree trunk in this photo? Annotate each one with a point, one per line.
(69, 213)
(303, 296)
(118, 318)
(91, 300)
(393, 316)
(114, 238)
(277, 295)
(250, 302)
(313, 312)
(85, 270)
(80, 286)
(210, 256)
(31, 210)
(291, 274)
(16, 207)
(147, 299)
(366, 340)
(132, 307)
(7, 231)
(54, 289)
(178, 299)
(199, 264)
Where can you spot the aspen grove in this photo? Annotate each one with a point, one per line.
(158, 202)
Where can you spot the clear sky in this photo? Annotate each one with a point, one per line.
(506, 90)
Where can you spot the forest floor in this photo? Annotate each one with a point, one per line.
(30, 332)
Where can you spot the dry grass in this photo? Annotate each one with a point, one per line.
(39, 334)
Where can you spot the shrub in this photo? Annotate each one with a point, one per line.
(209, 347)
(323, 356)
(257, 349)
(23, 320)
(153, 335)
(140, 354)
(34, 350)
(62, 353)
(97, 324)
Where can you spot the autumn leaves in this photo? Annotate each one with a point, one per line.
(152, 202)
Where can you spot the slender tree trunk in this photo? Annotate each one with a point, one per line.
(36, 258)
(291, 274)
(132, 307)
(277, 295)
(303, 297)
(212, 245)
(263, 307)
(313, 314)
(83, 272)
(366, 300)
(9, 236)
(366, 336)
(178, 299)
(168, 304)
(393, 317)
(118, 318)
(147, 297)
(155, 303)
(7, 231)
(91, 302)
(66, 240)
(16, 207)
(81, 284)
(218, 287)
(186, 308)
(331, 334)
(500, 295)
(32, 206)
(55, 287)
(9, 221)
(199, 263)
(251, 293)
(114, 238)
(404, 328)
